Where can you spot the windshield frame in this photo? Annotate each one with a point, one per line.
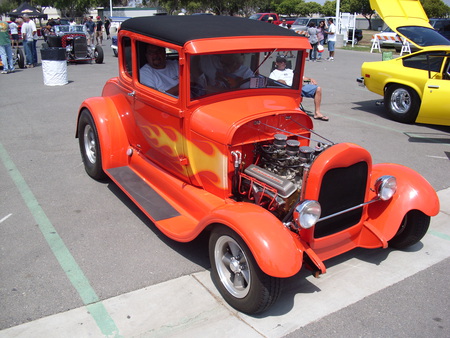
(205, 81)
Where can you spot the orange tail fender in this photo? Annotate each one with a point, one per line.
(274, 247)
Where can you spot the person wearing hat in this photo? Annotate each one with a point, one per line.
(310, 89)
(99, 30)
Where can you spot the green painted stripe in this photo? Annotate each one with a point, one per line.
(439, 234)
(62, 254)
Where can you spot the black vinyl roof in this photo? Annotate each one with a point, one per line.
(180, 29)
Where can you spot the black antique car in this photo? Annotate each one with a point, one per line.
(74, 40)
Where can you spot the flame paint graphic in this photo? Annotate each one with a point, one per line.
(205, 159)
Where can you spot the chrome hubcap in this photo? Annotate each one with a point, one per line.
(89, 143)
(400, 101)
(232, 266)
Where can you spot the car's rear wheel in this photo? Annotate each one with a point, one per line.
(90, 145)
(98, 54)
(402, 103)
(236, 274)
(412, 229)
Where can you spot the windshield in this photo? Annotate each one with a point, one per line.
(255, 16)
(301, 22)
(69, 29)
(423, 36)
(217, 73)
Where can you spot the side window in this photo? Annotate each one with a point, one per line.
(424, 61)
(126, 50)
(158, 68)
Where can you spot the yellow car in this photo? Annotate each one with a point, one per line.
(416, 87)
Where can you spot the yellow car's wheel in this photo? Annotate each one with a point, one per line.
(402, 103)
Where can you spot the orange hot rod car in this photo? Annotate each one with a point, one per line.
(208, 142)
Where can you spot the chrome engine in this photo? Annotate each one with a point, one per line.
(274, 181)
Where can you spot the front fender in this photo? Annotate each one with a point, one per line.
(275, 250)
(110, 129)
(413, 193)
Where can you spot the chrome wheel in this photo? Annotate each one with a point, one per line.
(90, 144)
(232, 266)
(400, 101)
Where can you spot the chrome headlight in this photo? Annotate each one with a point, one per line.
(307, 214)
(386, 186)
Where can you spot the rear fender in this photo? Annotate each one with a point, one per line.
(413, 193)
(113, 139)
(274, 247)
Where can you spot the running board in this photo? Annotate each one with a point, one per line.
(144, 195)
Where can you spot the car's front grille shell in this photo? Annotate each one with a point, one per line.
(80, 47)
(341, 188)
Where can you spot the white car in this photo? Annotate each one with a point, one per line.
(387, 39)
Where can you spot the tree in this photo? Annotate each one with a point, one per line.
(8, 6)
(329, 8)
(289, 7)
(362, 7)
(435, 8)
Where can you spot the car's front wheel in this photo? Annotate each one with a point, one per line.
(90, 145)
(98, 54)
(20, 57)
(402, 103)
(412, 229)
(236, 274)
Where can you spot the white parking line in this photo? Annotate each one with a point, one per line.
(5, 218)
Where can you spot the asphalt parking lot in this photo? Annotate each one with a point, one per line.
(78, 259)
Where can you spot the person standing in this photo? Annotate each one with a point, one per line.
(331, 38)
(107, 26)
(313, 40)
(29, 36)
(5, 48)
(99, 31)
(14, 29)
(90, 30)
(321, 38)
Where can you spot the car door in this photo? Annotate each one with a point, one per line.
(158, 117)
(435, 108)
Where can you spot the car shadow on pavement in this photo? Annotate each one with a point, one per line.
(438, 137)
(372, 106)
(196, 250)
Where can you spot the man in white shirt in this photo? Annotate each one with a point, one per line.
(311, 89)
(331, 38)
(29, 35)
(281, 73)
(159, 73)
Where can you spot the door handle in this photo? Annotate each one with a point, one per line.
(131, 93)
(433, 87)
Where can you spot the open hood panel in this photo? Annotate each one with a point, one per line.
(398, 13)
(408, 19)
